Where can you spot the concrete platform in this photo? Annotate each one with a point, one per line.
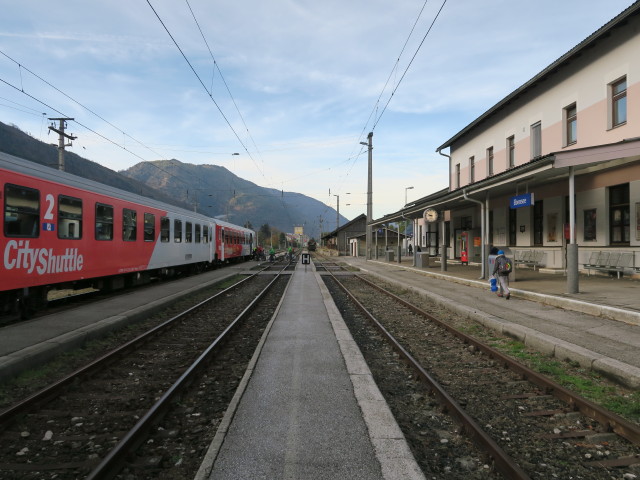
(310, 407)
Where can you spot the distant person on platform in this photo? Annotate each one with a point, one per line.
(501, 270)
(272, 254)
(410, 250)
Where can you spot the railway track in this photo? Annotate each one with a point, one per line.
(524, 425)
(149, 408)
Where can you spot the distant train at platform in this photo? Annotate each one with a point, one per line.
(60, 230)
(311, 245)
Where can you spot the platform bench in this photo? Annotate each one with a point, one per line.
(610, 262)
(531, 258)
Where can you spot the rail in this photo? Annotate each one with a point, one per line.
(113, 462)
(503, 462)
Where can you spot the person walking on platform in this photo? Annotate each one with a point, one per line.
(410, 250)
(272, 254)
(501, 270)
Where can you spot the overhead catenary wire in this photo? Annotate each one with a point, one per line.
(203, 85)
(409, 65)
(217, 67)
(377, 102)
(210, 95)
(113, 142)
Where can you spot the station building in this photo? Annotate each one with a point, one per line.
(568, 140)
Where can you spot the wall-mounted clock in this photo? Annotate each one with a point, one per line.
(430, 215)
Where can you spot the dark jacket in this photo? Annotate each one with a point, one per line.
(500, 260)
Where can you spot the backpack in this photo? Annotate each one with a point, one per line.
(504, 267)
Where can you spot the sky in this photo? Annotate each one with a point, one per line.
(292, 87)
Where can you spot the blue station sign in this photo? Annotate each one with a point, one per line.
(520, 201)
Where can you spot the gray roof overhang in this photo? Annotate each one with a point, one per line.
(540, 171)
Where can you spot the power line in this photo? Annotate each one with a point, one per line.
(409, 65)
(217, 66)
(203, 85)
(21, 90)
(394, 68)
(377, 102)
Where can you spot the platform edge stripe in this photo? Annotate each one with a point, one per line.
(206, 467)
(388, 441)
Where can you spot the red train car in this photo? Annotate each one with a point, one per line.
(62, 230)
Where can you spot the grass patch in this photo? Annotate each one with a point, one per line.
(586, 383)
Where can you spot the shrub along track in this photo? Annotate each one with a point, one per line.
(546, 437)
(67, 435)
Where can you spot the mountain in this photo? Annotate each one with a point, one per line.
(210, 189)
(15, 142)
(215, 191)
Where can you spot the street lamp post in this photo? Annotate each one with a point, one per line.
(405, 194)
(369, 145)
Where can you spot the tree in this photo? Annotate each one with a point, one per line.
(264, 234)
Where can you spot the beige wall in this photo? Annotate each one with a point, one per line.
(584, 81)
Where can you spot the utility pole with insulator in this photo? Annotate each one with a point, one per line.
(369, 145)
(62, 125)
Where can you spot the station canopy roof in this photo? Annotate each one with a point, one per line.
(543, 170)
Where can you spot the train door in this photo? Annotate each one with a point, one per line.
(222, 244)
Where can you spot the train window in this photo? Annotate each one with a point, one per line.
(205, 234)
(149, 227)
(177, 231)
(165, 227)
(21, 211)
(69, 217)
(104, 222)
(188, 233)
(198, 239)
(129, 225)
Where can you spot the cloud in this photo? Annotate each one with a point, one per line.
(305, 76)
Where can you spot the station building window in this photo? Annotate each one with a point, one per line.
(165, 229)
(69, 217)
(590, 225)
(538, 222)
(570, 125)
(149, 227)
(619, 214)
(21, 211)
(618, 102)
(490, 161)
(129, 225)
(472, 169)
(104, 221)
(511, 152)
(536, 140)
